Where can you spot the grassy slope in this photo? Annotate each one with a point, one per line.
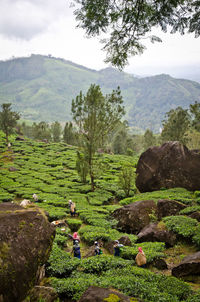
(43, 87)
(49, 171)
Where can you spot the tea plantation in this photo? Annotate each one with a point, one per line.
(49, 171)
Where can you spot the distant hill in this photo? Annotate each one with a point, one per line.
(42, 88)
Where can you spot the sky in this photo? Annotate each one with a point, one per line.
(49, 27)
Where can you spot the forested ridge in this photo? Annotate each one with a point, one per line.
(42, 88)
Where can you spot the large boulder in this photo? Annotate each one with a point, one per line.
(189, 266)
(42, 293)
(26, 241)
(168, 166)
(167, 207)
(134, 217)
(98, 294)
(154, 233)
(195, 215)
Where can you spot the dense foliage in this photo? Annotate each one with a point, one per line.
(128, 22)
(95, 116)
(8, 119)
(55, 82)
(49, 171)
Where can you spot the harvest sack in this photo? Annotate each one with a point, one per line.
(140, 259)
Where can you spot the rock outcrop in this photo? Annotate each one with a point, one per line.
(189, 266)
(42, 293)
(134, 217)
(167, 207)
(26, 239)
(125, 240)
(168, 166)
(153, 233)
(195, 215)
(98, 294)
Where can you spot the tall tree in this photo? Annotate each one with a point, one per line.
(120, 142)
(127, 179)
(95, 116)
(69, 134)
(195, 112)
(8, 119)
(128, 22)
(193, 139)
(149, 139)
(56, 131)
(41, 131)
(82, 166)
(175, 125)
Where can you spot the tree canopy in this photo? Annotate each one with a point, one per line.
(130, 21)
(96, 115)
(176, 125)
(8, 119)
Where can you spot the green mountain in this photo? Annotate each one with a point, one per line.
(42, 88)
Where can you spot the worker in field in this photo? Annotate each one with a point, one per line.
(141, 258)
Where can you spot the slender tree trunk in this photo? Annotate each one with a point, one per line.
(90, 162)
(7, 142)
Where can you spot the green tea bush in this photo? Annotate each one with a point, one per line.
(196, 236)
(197, 194)
(55, 213)
(190, 210)
(24, 192)
(91, 217)
(102, 263)
(182, 225)
(92, 233)
(74, 224)
(63, 231)
(60, 240)
(143, 284)
(73, 288)
(6, 183)
(60, 264)
(194, 298)
(152, 250)
(4, 197)
(178, 194)
(99, 197)
(112, 208)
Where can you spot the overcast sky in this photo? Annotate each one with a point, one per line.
(49, 27)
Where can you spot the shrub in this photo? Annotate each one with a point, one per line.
(194, 298)
(60, 264)
(152, 251)
(60, 240)
(73, 288)
(179, 194)
(146, 285)
(196, 236)
(102, 263)
(92, 233)
(74, 224)
(55, 213)
(182, 225)
(190, 210)
(197, 194)
(6, 197)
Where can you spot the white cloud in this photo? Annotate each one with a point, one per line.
(24, 19)
(49, 27)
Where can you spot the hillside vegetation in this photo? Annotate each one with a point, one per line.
(42, 88)
(49, 171)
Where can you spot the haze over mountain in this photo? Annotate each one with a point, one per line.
(42, 88)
